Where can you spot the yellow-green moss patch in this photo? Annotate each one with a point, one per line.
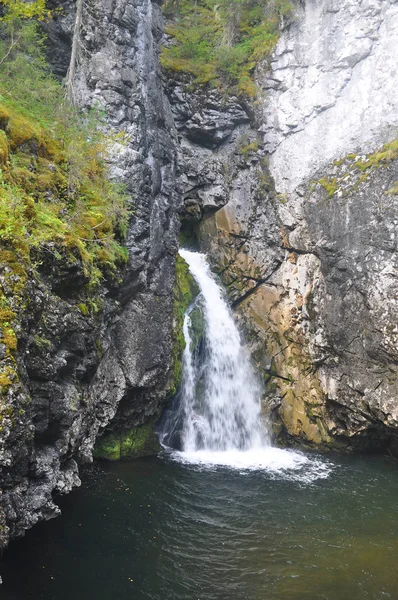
(132, 443)
(353, 170)
(4, 149)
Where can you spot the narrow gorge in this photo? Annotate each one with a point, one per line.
(266, 142)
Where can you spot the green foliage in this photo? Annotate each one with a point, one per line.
(55, 193)
(329, 185)
(56, 200)
(84, 309)
(20, 9)
(24, 75)
(42, 343)
(247, 147)
(220, 42)
(379, 158)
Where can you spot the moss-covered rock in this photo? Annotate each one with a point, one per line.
(185, 291)
(4, 150)
(133, 443)
(4, 117)
(350, 172)
(197, 328)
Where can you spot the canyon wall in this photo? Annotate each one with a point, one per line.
(293, 196)
(306, 242)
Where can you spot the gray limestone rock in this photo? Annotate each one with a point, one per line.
(332, 86)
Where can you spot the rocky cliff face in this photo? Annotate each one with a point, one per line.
(107, 362)
(307, 246)
(120, 73)
(332, 88)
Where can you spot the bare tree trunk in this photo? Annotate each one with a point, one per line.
(232, 24)
(70, 77)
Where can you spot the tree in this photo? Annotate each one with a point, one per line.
(15, 12)
(70, 77)
(19, 9)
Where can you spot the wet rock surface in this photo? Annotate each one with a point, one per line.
(60, 343)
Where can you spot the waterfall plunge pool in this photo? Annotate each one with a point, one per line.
(159, 529)
(215, 420)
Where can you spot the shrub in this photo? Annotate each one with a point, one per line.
(220, 42)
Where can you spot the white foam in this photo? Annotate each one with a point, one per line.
(278, 463)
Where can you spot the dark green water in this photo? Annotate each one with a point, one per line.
(156, 529)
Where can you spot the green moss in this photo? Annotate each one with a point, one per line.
(4, 117)
(13, 279)
(57, 205)
(55, 189)
(379, 158)
(330, 185)
(185, 290)
(265, 182)
(186, 287)
(6, 378)
(133, 443)
(6, 412)
(95, 304)
(100, 349)
(248, 148)
(7, 320)
(282, 198)
(20, 131)
(107, 447)
(83, 308)
(353, 172)
(41, 342)
(4, 149)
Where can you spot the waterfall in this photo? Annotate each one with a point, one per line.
(216, 417)
(221, 396)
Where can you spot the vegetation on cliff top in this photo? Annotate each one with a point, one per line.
(57, 202)
(55, 195)
(220, 42)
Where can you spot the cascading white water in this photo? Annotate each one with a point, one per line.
(219, 417)
(226, 416)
